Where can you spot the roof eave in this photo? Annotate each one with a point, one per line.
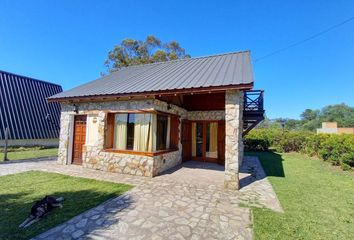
(200, 90)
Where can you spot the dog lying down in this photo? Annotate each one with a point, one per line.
(41, 208)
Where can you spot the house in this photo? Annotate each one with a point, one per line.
(332, 128)
(24, 111)
(145, 119)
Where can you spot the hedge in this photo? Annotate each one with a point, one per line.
(335, 148)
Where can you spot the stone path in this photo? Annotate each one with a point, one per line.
(188, 202)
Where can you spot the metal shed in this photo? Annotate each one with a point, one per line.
(24, 110)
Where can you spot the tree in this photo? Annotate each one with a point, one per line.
(312, 119)
(134, 52)
(340, 113)
(309, 115)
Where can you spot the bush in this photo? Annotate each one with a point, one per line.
(253, 144)
(334, 148)
(291, 141)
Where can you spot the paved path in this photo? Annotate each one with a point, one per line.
(187, 202)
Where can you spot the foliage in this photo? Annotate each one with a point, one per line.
(19, 191)
(317, 199)
(134, 52)
(336, 149)
(312, 119)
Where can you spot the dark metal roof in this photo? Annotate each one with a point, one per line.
(23, 107)
(231, 69)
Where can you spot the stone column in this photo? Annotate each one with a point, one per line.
(233, 138)
(64, 138)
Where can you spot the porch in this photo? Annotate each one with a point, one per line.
(199, 126)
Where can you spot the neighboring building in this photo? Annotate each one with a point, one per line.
(145, 119)
(24, 110)
(332, 127)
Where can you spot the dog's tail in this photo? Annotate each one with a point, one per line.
(59, 199)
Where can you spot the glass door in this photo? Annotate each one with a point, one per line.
(205, 141)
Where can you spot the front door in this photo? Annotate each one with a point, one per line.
(205, 141)
(79, 138)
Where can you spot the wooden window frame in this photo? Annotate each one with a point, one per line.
(204, 157)
(109, 133)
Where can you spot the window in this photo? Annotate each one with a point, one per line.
(141, 132)
(163, 132)
(130, 131)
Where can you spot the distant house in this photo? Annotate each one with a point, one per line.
(332, 128)
(145, 119)
(25, 112)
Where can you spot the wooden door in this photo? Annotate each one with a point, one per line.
(205, 146)
(79, 138)
(186, 140)
(221, 142)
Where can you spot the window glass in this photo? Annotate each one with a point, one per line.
(212, 140)
(145, 132)
(130, 131)
(161, 135)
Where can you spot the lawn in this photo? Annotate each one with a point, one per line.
(318, 199)
(26, 153)
(19, 191)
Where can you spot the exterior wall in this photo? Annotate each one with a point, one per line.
(329, 125)
(24, 108)
(94, 155)
(346, 130)
(233, 141)
(332, 128)
(327, 130)
(52, 142)
(166, 161)
(206, 115)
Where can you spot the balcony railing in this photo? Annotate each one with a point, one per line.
(253, 101)
(253, 109)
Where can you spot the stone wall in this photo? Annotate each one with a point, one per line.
(94, 155)
(233, 141)
(166, 161)
(206, 115)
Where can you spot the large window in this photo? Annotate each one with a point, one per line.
(141, 132)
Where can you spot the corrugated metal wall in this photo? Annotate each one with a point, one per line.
(23, 108)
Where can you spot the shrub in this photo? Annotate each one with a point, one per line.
(291, 141)
(253, 144)
(334, 148)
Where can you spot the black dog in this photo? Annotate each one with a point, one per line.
(41, 208)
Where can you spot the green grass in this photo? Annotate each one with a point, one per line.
(18, 154)
(318, 199)
(18, 192)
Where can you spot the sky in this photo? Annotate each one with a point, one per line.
(67, 41)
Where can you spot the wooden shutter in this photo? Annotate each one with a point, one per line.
(174, 133)
(221, 142)
(109, 130)
(186, 140)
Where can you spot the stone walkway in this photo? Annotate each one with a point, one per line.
(187, 202)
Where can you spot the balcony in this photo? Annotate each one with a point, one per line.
(253, 109)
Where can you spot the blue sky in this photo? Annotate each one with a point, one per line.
(66, 42)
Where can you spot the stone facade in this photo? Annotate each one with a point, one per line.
(95, 156)
(233, 141)
(206, 115)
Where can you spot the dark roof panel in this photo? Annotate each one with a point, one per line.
(213, 71)
(23, 107)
